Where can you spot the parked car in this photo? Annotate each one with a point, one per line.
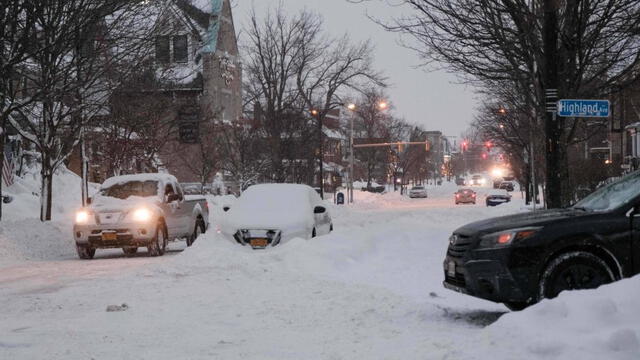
(465, 196)
(506, 185)
(418, 192)
(497, 197)
(460, 181)
(269, 214)
(143, 210)
(520, 259)
(375, 189)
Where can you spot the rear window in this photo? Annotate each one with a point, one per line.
(418, 188)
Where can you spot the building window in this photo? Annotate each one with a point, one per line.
(180, 52)
(162, 49)
(172, 49)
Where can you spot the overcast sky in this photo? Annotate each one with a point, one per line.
(432, 99)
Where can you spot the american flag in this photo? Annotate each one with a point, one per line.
(7, 167)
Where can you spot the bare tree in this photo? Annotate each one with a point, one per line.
(16, 31)
(77, 42)
(579, 48)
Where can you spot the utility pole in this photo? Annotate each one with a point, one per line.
(550, 82)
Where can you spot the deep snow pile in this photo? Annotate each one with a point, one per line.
(369, 290)
(22, 235)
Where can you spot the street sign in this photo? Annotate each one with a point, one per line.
(583, 108)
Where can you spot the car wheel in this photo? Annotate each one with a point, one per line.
(313, 233)
(159, 243)
(331, 227)
(85, 252)
(130, 251)
(516, 305)
(197, 230)
(573, 271)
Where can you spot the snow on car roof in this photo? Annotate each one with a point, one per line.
(501, 192)
(139, 177)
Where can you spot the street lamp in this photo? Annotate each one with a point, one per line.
(352, 107)
(382, 105)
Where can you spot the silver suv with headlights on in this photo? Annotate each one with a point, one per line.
(142, 210)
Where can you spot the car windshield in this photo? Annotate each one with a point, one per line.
(131, 188)
(418, 188)
(612, 196)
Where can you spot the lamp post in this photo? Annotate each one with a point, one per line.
(351, 107)
(316, 114)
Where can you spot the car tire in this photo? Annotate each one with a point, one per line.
(85, 252)
(130, 251)
(574, 270)
(198, 229)
(159, 243)
(331, 227)
(313, 233)
(516, 305)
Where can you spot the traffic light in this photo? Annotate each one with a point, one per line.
(464, 145)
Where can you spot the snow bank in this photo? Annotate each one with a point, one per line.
(590, 324)
(22, 235)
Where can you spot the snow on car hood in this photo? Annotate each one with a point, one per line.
(103, 204)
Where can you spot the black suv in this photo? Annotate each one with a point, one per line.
(520, 259)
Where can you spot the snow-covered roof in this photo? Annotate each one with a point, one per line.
(161, 178)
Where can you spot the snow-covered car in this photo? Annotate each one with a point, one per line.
(465, 196)
(506, 185)
(270, 214)
(497, 197)
(418, 192)
(142, 210)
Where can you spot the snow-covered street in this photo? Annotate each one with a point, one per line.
(369, 290)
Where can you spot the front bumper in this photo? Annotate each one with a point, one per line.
(258, 239)
(114, 235)
(485, 274)
(417, 195)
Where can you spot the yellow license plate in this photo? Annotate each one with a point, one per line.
(109, 236)
(259, 242)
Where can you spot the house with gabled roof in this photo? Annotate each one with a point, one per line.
(197, 80)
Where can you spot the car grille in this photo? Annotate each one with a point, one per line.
(457, 280)
(459, 246)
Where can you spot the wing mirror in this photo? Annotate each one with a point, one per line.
(7, 199)
(225, 208)
(319, 210)
(173, 197)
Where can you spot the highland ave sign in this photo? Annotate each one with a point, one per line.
(583, 108)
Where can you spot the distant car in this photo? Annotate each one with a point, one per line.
(506, 185)
(477, 180)
(418, 192)
(460, 181)
(269, 214)
(497, 197)
(375, 189)
(465, 196)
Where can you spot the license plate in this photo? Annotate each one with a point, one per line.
(451, 269)
(109, 236)
(259, 242)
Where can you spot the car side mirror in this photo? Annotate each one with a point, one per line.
(319, 210)
(173, 197)
(7, 199)
(225, 208)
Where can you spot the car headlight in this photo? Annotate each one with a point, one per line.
(505, 238)
(142, 215)
(82, 217)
